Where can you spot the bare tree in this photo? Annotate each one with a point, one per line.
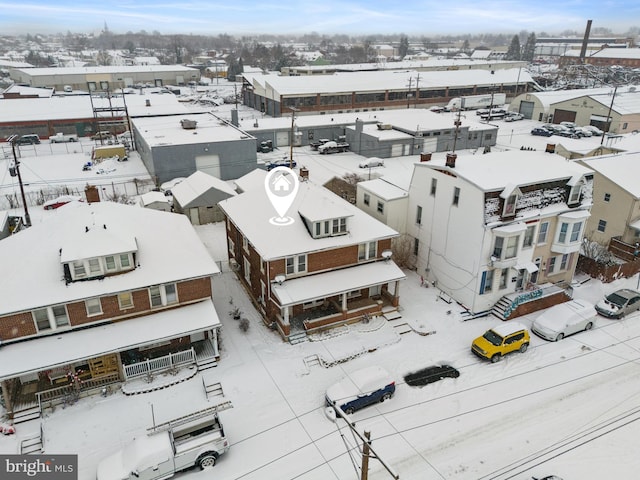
(402, 248)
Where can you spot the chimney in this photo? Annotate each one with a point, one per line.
(234, 118)
(147, 102)
(551, 148)
(91, 193)
(425, 156)
(451, 160)
(304, 174)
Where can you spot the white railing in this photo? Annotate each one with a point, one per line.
(159, 364)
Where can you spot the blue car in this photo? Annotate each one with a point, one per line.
(361, 389)
(542, 132)
(281, 163)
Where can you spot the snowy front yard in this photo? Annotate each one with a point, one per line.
(567, 408)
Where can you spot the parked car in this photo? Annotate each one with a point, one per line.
(513, 116)
(541, 132)
(60, 201)
(360, 389)
(101, 135)
(583, 132)
(619, 303)
(371, 162)
(593, 129)
(570, 125)
(437, 109)
(431, 374)
(564, 319)
(498, 341)
(30, 139)
(283, 162)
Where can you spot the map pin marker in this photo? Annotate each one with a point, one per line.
(281, 185)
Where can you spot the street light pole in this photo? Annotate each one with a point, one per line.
(16, 168)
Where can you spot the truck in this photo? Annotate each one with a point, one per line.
(473, 102)
(333, 147)
(109, 151)
(195, 440)
(63, 138)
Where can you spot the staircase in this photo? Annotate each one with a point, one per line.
(399, 325)
(212, 389)
(26, 414)
(205, 355)
(298, 337)
(499, 309)
(33, 444)
(467, 315)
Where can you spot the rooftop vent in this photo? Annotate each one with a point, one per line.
(188, 124)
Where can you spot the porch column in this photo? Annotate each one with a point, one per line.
(344, 302)
(5, 396)
(396, 295)
(285, 315)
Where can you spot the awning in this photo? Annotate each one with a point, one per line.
(31, 356)
(528, 266)
(599, 118)
(575, 215)
(322, 285)
(511, 228)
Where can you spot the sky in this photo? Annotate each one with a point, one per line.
(352, 17)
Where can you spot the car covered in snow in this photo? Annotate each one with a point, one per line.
(371, 162)
(513, 117)
(360, 389)
(564, 319)
(60, 201)
(619, 303)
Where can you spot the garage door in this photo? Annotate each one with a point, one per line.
(396, 150)
(209, 164)
(282, 139)
(563, 116)
(526, 109)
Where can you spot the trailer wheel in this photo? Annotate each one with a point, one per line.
(208, 460)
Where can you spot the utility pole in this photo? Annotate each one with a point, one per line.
(15, 171)
(293, 116)
(606, 130)
(409, 93)
(364, 474)
(415, 104)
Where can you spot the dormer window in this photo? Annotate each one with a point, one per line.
(574, 194)
(339, 226)
(510, 194)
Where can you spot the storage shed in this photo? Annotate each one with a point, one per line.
(198, 195)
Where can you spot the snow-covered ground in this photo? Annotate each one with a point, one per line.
(568, 408)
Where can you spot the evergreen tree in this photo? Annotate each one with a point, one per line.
(514, 49)
(404, 46)
(529, 48)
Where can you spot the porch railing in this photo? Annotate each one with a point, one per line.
(167, 362)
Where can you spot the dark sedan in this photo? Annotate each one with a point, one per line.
(541, 132)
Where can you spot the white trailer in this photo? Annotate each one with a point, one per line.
(473, 102)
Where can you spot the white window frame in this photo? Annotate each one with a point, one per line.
(507, 244)
(95, 267)
(564, 262)
(79, 270)
(245, 244)
(510, 203)
(232, 247)
(296, 264)
(367, 251)
(93, 306)
(339, 226)
(488, 282)
(52, 319)
(574, 194)
(247, 270)
(106, 263)
(125, 260)
(167, 294)
(380, 207)
(543, 233)
(602, 225)
(551, 265)
(529, 235)
(569, 233)
(125, 305)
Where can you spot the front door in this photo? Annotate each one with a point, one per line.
(522, 274)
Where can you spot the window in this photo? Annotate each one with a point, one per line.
(542, 233)
(624, 125)
(419, 215)
(93, 306)
(456, 195)
(564, 260)
(367, 198)
(245, 244)
(573, 236)
(575, 232)
(506, 248)
(512, 247)
(41, 318)
(602, 225)
(607, 197)
(504, 276)
(339, 225)
(155, 296)
(94, 266)
(367, 250)
(551, 265)
(318, 228)
(497, 249)
(110, 262)
(296, 264)
(380, 207)
(434, 184)
(528, 236)
(574, 195)
(487, 282)
(125, 300)
(60, 315)
(262, 264)
(510, 205)
(232, 247)
(125, 261)
(416, 246)
(78, 270)
(562, 236)
(171, 293)
(247, 270)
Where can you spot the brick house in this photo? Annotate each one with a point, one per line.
(101, 293)
(329, 267)
(499, 232)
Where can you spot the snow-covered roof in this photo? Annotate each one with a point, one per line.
(251, 211)
(97, 241)
(622, 53)
(64, 348)
(152, 197)
(623, 169)
(79, 106)
(253, 179)
(348, 82)
(61, 71)
(196, 184)
(557, 96)
(169, 250)
(494, 171)
(159, 131)
(383, 189)
(22, 90)
(323, 285)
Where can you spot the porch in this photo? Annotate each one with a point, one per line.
(534, 298)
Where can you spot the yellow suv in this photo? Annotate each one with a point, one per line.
(505, 338)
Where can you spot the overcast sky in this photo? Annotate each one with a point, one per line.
(352, 17)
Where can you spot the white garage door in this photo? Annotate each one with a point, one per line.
(209, 164)
(429, 145)
(396, 150)
(282, 139)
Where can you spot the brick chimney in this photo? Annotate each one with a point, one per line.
(425, 156)
(91, 193)
(451, 160)
(304, 174)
